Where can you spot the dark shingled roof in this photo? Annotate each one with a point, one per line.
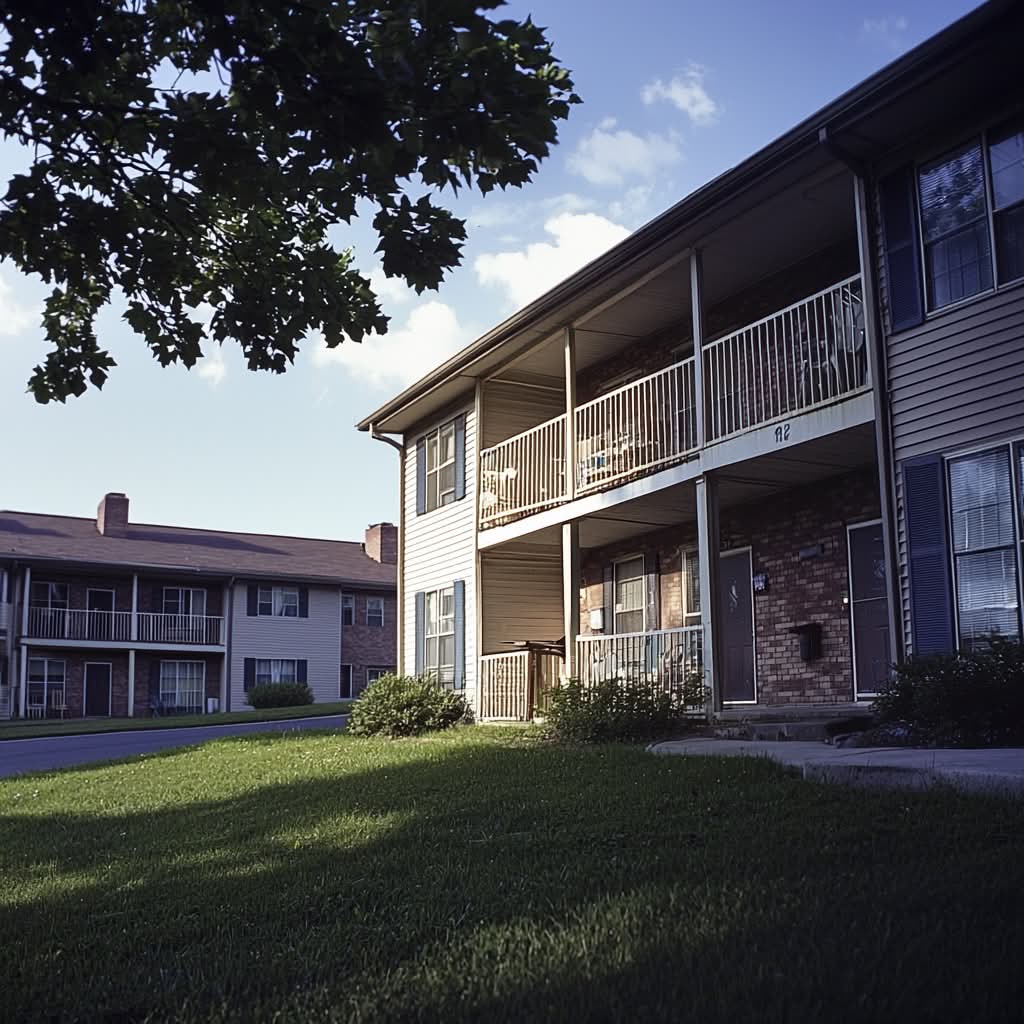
(32, 537)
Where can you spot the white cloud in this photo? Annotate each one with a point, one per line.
(212, 367)
(390, 289)
(686, 92)
(526, 273)
(498, 214)
(633, 206)
(887, 31)
(609, 155)
(15, 316)
(430, 334)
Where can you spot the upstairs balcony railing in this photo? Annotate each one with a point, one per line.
(153, 627)
(801, 358)
(158, 627)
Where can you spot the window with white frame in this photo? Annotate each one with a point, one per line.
(46, 678)
(373, 674)
(345, 687)
(964, 197)
(440, 477)
(375, 611)
(275, 670)
(348, 609)
(691, 588)
(182, 684)
(630, 595)
(439, 634)
(985, 523)
(282, 601)
(184, 601)
(51, 596)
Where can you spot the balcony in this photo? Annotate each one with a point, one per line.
(116, 627)
(797, 360)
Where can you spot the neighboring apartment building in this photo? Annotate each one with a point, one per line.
(678, 463)
(107, 617)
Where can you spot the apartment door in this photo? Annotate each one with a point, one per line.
(97, 689)
(736, 627)
(100, 620)
(869, 608)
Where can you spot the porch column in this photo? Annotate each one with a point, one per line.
(23, 682)
(135, 607)
(24, 600)
(708, 546)
(697, 309)
(570, 594)
(570, 413)
(223, 701)
(131, 677)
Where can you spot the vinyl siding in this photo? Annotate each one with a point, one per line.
(520, 599)
(316, 638)
(440, 547)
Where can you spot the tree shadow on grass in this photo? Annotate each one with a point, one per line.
(503, 882)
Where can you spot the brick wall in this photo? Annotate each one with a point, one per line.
(364, 646)
(810, 590)
(74, 677)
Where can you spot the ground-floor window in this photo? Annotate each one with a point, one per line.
(373, 674)
(182, 684)
(691, 588)
(630, 595)
(275, 670)
(439, 634)
(345, 691)
(46, 684)
(986, 503)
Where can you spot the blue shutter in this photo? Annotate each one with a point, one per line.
(902, 254)
(421, 476)
(460, 457)
(303, 602)
(250, 674)
(252, 606)
(459, 588)
(420, 626)
(300, 670)
(928, 559)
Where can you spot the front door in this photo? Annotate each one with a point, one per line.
(97, 688)
(100, 606)
(736, 616)
(869, 609)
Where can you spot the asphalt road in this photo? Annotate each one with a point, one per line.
(34, 755)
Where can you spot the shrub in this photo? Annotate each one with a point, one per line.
(279, 695)
(406, 706)
(967, 699)
(619, 710)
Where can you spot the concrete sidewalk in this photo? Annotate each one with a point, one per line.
(998, 770)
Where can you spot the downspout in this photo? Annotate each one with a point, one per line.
(400, 574)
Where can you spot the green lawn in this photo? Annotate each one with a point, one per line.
(73, 727)
(484, 876)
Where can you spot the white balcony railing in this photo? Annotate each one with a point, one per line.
(153, 627)
(668, 660)
(804, 356)
(515, 685)
(524, 473)
(640, 427)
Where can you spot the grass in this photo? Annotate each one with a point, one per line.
(75, 727)
(484, 876)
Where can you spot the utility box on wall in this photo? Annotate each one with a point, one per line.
(810, 640)
(596, 620)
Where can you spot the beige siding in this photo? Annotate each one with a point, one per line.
(520, 599)
(316, 638)
(509, 409)
(440, 547)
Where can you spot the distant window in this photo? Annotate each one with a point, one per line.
(182, 684)
(439, 634)
(52, 596)
(375, 611)
(184, 601)
(1006, 158)
(440, 466)
(348, 610)
(282, 601)
(372, 674)
(345, 690)
(275, 670)
(45, 682)
(630, 596)
(691, 588)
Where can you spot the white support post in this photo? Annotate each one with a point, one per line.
(708, 546)
(570, 413)
(131, 681)
(24, 601)
(697, 310)
(570, 594)
(135, 609)
(23, 682)
(222, 703)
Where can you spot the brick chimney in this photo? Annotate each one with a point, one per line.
(112, 515)
(382, 542)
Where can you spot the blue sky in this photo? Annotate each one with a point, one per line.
(673, 95)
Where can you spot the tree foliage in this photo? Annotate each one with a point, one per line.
(200, 151)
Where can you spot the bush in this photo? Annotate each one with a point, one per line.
(279, 695)
(406, 706)
(968, 699)
(619, 710)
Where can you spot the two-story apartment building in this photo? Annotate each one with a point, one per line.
(107, 617)
(698, 458)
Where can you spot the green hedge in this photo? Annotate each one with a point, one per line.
(279, 695)
(406, 706)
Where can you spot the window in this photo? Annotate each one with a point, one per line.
(278, 601)
(276, 670)
(375, 611)
(691, 588)
(984, 546)
(348, 610)
(184, 601)
(373, 674)
(51, 596)
(45, 682)
(630, 595)
(345, 689)
(182, 684)
(1006, 156)
(440, 466)
(439, 634)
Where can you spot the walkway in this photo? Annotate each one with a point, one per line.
(993, 770)
(33, 755)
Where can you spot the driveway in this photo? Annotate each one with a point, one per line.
(34, 755)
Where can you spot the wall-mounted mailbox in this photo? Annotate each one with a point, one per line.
(810, 640)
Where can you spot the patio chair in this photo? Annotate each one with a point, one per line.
(58, 703)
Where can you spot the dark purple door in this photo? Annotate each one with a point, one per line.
(97, 689)
(870, 609)
(736, 626)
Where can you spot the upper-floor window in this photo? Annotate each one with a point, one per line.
(630, 595)
(964, 197)
(52, 596)
(375, 611)
(440, 466)
(184, 601)
(348, 609)
(279, 601)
